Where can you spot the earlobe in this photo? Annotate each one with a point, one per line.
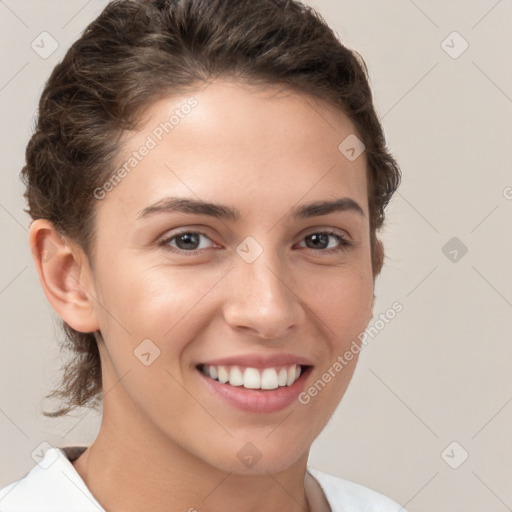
(64, 274)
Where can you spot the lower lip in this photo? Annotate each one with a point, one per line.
(257, 400)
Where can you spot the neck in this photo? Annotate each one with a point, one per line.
(133, 466)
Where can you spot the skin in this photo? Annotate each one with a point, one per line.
(165, 442)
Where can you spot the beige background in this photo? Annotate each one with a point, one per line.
(440, 371)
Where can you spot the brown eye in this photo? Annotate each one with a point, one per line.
(320, 241)
(186, 241)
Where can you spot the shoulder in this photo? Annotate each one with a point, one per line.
(347, 496)
(52, 485)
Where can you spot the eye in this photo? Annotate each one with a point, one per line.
(186, 241)
(190, 242)
(320, 241)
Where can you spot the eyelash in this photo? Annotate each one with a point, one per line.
(344, 244)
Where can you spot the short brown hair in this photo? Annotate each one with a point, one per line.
(138, 51)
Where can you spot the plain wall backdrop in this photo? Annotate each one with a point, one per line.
(427, 417)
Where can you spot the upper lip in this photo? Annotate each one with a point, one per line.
(259, 360)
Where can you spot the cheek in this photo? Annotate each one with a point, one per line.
(156, 303)
(343, 305)
(343, 302)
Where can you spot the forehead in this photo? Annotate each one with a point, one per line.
(244, 144)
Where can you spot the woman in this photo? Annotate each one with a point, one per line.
(206, 182)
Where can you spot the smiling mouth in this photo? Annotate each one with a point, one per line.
(264, 379)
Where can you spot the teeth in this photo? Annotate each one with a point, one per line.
(213, 372)
(291, 375)
(269, 379)
(283, 377)
(235, 377)
(252, 378)
(223, 374)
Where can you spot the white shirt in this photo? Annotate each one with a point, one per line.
(53, 485)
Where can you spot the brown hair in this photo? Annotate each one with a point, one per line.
(138, 51)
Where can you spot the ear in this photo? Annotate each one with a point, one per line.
(65, 276)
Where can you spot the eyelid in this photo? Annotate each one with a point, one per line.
(327, 229)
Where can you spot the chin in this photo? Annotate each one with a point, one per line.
(259, 457)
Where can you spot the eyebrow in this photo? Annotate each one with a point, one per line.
(193, 206)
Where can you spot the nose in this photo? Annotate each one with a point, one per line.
(260, 298)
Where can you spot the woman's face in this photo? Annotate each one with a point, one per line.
(255, 284)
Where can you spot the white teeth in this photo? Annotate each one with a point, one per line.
(291, 375)
(223, 374)
(213, 372)
(252, 378)
(269, 379)
(235, 376)
(283, 377)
